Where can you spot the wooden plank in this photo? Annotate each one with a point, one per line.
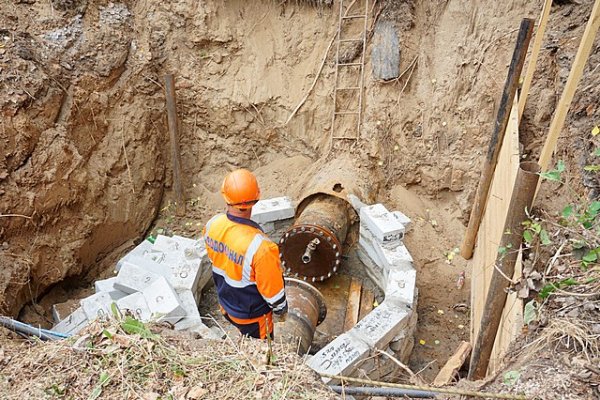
(385, 53)
(454, 363)
(335, 291)
(353, 304)
(492, 224)
(564, 103)
(489, 165)
(521, 200)
(535, 51)
(174, 135)
(511, 324)
(366, 303)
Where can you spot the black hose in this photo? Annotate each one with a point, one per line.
(383, 391)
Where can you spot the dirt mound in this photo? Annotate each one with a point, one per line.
(128, 360)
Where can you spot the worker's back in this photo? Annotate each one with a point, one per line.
(246, 266)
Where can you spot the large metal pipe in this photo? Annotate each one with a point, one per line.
(311, 249)
(306, 310)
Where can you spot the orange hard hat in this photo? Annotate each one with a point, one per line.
(240, 189)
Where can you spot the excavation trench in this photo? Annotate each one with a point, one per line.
(114, 186)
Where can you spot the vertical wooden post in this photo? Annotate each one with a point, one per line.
(489, 165)
(174, 135)
(520, 202)
(353, 308)
(560, 114)
(535, 51)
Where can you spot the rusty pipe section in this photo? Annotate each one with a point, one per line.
(306, 310)
(311, 249)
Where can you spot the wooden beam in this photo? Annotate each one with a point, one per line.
(366, 303)
(564, 103)
(535, 51)
(489, 164)
(454, 363)
(508, 251)
(353, 304)
(174, 135)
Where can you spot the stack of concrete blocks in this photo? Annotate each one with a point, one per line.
(160, 281)
(274, 216)
(390, 326)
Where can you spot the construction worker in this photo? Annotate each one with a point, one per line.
(246, 267)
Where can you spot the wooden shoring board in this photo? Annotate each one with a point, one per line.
(535, 52)
(511, 324)
(335, 291)
(353, 306)
(490, 162)
(453, 365)
(564, 103)
(489, 237)
(366, 303)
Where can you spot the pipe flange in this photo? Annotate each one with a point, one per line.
(310, 252)
(313, 291)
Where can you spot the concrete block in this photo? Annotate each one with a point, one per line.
(192, 321)
(188, 304)
(394, 258)
(368, 245)
(402, 344)
(140, 250)
(186, 242)
(341, 356)
(377, 367)
(163, 301)
(268, 227)
(217, 332)
(401, 285)
(384, 226)
(274, 209)
(182, 272)
(403, 219)
(137, 274)
(61, 310)
(185, 276)
(197, 251)
(107, 286)
(204, 279)
(380, 326)
(167, 244)
(135, 304)
(196, 325)
(97, 305)
(73, 323)
(355, 202)
(374, 271)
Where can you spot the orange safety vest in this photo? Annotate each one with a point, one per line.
(246, 267)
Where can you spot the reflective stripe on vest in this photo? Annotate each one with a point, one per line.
(247, 263)
(249, 256)
(276, 298)
(208, 224)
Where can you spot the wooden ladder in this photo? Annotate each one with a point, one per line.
(346, 15)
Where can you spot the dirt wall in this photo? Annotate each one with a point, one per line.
(84, 134)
